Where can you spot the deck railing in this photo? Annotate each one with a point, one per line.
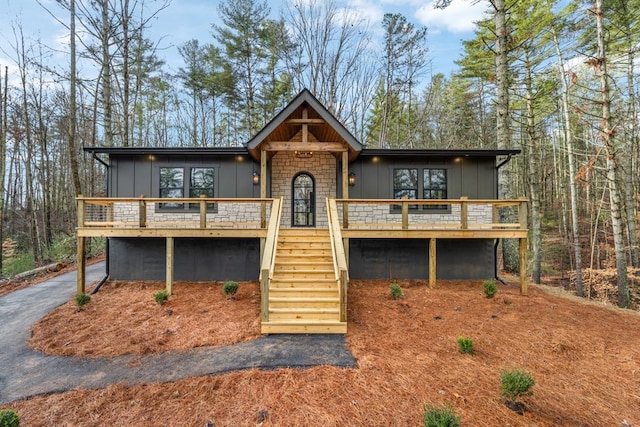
(339, 257)
(267, 265)
(432, 214)
(193, 213)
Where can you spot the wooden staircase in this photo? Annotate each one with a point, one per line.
(303, 291)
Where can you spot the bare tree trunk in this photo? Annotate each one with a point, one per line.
(503, 134)
(73, 110)
(28, 161)
(534, 178)
(106, 74)
(610, 145)
(43, 170)
(125, 72)
(3, 152)
(630, 200)
(573, 190)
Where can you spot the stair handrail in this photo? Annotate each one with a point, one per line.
(340, 268)
(269, 256)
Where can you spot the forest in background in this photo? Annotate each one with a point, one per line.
(554, 79)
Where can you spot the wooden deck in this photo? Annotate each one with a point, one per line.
(303, 272)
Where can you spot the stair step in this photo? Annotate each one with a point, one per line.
(304, 327)
(304, 268)
(304, 232)
(303, 303)
(303, 238)
(288, 256)
(295, 275)
(303, 283)
(310, 314)
(306, 310)
(303, 292)
(286, 250)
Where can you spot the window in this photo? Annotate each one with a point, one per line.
(174, 185)
(434, 186)
(407, 185)
(171, 186)
(201, 184)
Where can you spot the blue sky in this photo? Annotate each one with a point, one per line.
(188, 19)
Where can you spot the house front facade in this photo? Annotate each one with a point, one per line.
(392, 209)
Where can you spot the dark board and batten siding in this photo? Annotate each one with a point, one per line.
(473, 177)
(471, 259)
(196, 260)
(199, 259)
(238, 259)
(133, 176)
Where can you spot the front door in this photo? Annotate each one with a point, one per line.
(303, 201)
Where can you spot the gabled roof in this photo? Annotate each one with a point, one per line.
(325, 128)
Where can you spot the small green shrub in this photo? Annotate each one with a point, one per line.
(9, 418)
(516, 383)
(82, 299)
(440, 417)
(396, 291)
(489, 288)
(229, 288)
(19, 263)
(161, 297)
(465, 345)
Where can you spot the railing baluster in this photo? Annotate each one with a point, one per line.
(405, 215)
(142, 212)
(81, 212)
(464, 213)
(523, 215)
(203, 212)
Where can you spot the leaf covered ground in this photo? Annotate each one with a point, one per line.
(583, 357)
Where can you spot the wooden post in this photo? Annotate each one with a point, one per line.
(169, 278)
(523, 215)
(345, 189)
(345, 174)
(523, 266)
(203, 212)
(343, 295)
(80, 205)
(464, 213)
(345, 244)
(495, 215)
(405, 214)
(142, 212)
(109, 213)
(263, 189)
(345, 215)
(264, 298)
(81, 266)
(432, 263)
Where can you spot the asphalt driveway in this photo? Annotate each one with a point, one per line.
(25, 372)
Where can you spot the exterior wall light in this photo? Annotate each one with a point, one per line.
(255, 178)
(352, 179)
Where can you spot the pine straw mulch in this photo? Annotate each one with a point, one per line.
(122, 318)
(584, 358)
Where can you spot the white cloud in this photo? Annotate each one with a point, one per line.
(367, 10)
(459, 17)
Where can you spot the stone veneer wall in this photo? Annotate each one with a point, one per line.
(247, 215)
(364, 215)
(322, 166)
(237, 215)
